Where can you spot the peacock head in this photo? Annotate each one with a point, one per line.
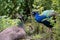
(35, 13)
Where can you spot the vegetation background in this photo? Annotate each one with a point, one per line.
(10, 11)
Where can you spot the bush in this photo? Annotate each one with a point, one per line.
(7, 22)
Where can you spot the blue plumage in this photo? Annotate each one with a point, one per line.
(40, 19)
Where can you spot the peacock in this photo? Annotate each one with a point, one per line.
(42, 18)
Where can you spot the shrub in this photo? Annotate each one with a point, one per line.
(7, 22)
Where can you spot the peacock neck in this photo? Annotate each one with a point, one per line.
(36, 14)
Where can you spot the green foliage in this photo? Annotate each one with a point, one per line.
(11, 7)
(7, 22)
(24, 7)
(47, 4)
(37, 36)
